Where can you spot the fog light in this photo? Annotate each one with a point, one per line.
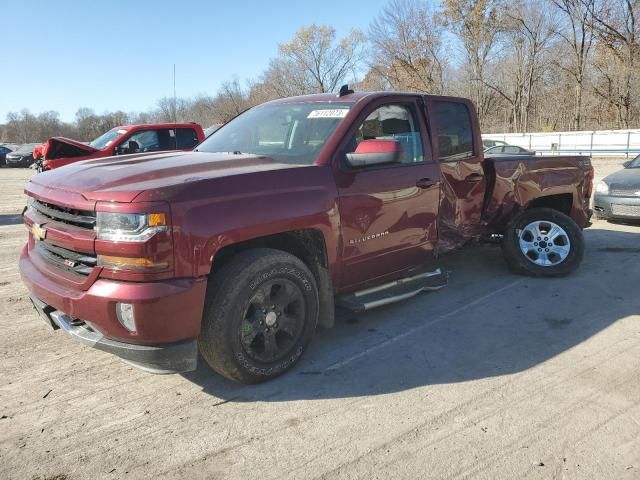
(124, 312)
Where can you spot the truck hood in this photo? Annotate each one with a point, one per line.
(627, 178)
(61, 147)
(123, 178)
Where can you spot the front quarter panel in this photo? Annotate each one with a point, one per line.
(212, 214)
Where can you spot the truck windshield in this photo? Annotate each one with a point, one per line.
(635, 163)
(107, 139)
(289, 133)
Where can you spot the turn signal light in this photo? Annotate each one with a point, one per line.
(156, 219)
(128, 263)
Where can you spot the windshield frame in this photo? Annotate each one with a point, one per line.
(106, 140)
(26, 148)
(635, 163)
(252, 122)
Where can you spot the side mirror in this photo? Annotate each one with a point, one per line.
(121, 150)
(130, 147)
(626, 164)
(375, 152)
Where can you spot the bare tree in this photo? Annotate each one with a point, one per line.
(283, 78)
(577, 34)
(529, 30)
(231, 100)
(22, 127)
(477, 24)
(615, 23)
(315, 61)
(406, 43)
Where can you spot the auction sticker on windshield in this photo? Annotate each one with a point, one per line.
(329, 113)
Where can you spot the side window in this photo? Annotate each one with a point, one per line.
(511, 149)
(144, 141)
(186, 138)
(396, 122)
(455, 133)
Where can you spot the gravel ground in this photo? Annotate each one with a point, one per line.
(496, 376)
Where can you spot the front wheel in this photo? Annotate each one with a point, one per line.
(260, 314)
(543, 242)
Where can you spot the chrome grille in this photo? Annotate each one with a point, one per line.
(79, 218)
(625, 192)
(76, 262)
(625, 210)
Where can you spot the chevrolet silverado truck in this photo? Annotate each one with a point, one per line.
(126, 139)
(239, 249)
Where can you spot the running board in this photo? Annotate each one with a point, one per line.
(392, 292)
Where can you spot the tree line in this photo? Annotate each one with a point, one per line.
(528, 65)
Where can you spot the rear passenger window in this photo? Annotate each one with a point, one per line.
(186, 139)
(455, 133)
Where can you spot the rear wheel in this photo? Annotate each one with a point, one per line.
(260, 314)
(543, 242)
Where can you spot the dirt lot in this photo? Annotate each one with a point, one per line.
(496, 376)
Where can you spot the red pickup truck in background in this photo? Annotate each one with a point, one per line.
(240, 248)
(157, 137)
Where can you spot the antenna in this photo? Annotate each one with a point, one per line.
(175, 111)
(175, 100)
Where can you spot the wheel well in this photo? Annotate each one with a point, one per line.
(307, 245)
(561, 202)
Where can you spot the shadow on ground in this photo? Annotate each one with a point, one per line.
(10, 220)
(421, 342)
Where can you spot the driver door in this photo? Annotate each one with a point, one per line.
(388, 212)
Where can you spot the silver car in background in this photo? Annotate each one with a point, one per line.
(617, 196)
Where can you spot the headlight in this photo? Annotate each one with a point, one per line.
(602, 188)
(129, 227)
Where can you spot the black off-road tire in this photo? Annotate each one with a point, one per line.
(519, 262)
(228, 299)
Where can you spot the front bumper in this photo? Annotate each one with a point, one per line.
(617, 208)
(171, 358)
(167, 314)
(13, 162)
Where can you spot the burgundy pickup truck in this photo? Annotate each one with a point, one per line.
(240, 248)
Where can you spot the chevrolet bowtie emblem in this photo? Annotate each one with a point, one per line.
(38, 232)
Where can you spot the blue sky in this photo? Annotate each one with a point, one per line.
(119, 55)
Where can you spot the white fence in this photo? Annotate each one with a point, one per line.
(598, 143)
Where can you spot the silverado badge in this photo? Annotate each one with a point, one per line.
(373, 236)
(38, 232)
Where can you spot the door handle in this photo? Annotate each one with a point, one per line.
(473, 177)
(425, 183)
